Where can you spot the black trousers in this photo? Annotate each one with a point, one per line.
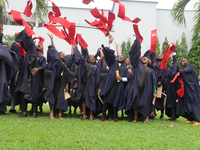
(173, 113)
(110, 109)
(24, 106)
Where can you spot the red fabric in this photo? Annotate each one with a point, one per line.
(22, 51)
(153, 40)
(121, 13)
(18, 19)
(28, 8)
(55, 9)
(137, 32)
(166, 56)
(54, 30)
(41, 41)
(180, 92)
(103, 24)
(111, 18)
(175, 77)
(81, 41)
(87, 1)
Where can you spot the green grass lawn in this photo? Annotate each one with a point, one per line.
(73, 133)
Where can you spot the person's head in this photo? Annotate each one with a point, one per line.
(127, 61)
(120, 59)
(145, 60)
(39, 47)
(185, 62)
(198, 78)
(62, 56)
(159, 58)
(91, 59)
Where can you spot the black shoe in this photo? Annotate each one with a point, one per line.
(161, 116)
(35, 116)
(2, 113)
(23, 115)
(12, 111)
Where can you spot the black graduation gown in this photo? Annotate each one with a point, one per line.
(160, 75)
(59, 79)
(6, 62)
(28, 83)
(171, 88)
(114, 92)
(15, 48)
(145, 103)
(88, 78)
(191, 100)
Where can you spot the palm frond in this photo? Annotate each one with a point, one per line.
(177, 12)
(196, 19)
(40, 10)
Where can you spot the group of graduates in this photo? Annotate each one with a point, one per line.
(97, 83)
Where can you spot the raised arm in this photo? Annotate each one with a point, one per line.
(102, 55)
(51, 37)
(134, 53)
(72, 51)
(117, 49)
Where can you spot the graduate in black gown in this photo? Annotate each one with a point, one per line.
(114, 88)
(170, 89)
(101, 63)
(59, 83)
(15, 100)
(6, 63)
(88, 83)
(142, 89)
(160, 75)
(190, 103)
(31, 77)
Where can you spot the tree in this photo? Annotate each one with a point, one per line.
(40, 10)
(181, 49)
(165, 45)
(158, 47)
(194, 56)
(8, 40)
(178, 16)
(125, 47)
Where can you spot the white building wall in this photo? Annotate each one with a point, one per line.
(166, 28)
(151, 18)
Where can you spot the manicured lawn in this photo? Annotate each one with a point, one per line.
(73, 133)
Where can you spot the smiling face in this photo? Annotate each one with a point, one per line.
(91, 59)
(62, 55)
(39, 47)
(145, 60)
(127, 61)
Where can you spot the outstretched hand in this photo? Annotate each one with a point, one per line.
(31, 25)
(117, 44)
(50, 35)
(111, 38)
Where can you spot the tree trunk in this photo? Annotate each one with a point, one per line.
(1, 12)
